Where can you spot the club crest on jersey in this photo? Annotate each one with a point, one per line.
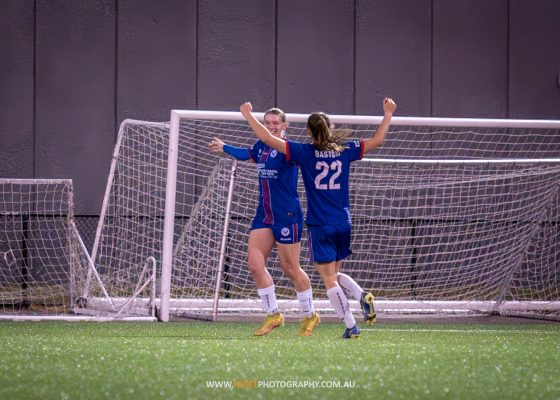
(285, 231)
(273, 153)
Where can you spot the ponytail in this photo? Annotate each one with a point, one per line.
(321, 130)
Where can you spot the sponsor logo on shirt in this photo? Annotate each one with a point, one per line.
(267, 173)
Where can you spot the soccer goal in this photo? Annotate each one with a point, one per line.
(449, 216)
(44, 264)
(39, 253)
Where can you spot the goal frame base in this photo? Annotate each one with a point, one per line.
(244, 309)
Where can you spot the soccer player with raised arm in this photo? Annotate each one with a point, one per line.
(325, 167)
(278, 220)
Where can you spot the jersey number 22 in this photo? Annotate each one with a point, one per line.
(320, 181)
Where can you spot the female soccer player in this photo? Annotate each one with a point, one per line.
(278, 220)
(325, 167)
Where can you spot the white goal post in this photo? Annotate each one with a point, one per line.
(450, 215)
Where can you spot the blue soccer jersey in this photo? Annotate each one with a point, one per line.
(325, 176)
(278, 200)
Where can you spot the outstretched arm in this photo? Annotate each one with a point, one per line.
(389, 107)
(219, 147)
(260, 131)
(216, 145)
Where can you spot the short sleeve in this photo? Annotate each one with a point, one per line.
(355, 149)
(294, 151)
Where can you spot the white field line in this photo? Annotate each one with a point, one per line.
(465, 331)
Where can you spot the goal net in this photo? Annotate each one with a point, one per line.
(449, 215)
(42, 260)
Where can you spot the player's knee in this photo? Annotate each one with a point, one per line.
(328, 277)
(255, 268)
(292, 271)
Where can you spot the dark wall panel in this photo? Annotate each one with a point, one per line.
(393, 55)
(71, 71)
(75, 99)
(156, 64)
(236, 56)
(534, 59)
(316, 56)
(470, 58)
(16, 89)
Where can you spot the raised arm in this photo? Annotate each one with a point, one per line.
(260, 130)
(389, 107)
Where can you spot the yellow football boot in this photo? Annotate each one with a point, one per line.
(366, 302)
(308, 324)
(272, 321)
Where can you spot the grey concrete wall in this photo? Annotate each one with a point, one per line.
(470, 58)
(534, 59)
(75, 95)
(17, 104)
(236, 56)
(315, 52)
(71, 71)
(156, 64)
(393, 55)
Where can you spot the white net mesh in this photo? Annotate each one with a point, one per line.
(42, 266)
(428, 234)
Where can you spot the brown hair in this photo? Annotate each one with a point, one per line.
(324, 138)
(276, 111)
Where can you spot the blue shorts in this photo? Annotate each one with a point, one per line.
(285, 234)
(329, 243)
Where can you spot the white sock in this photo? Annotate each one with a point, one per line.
(338, 300)
(350, 285)
(268, 298)
(305, 299)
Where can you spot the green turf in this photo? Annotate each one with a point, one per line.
(62, 360)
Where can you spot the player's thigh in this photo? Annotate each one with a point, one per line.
(261, 242)
(337, 265)
(289, 255)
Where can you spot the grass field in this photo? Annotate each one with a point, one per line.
(182, 360)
